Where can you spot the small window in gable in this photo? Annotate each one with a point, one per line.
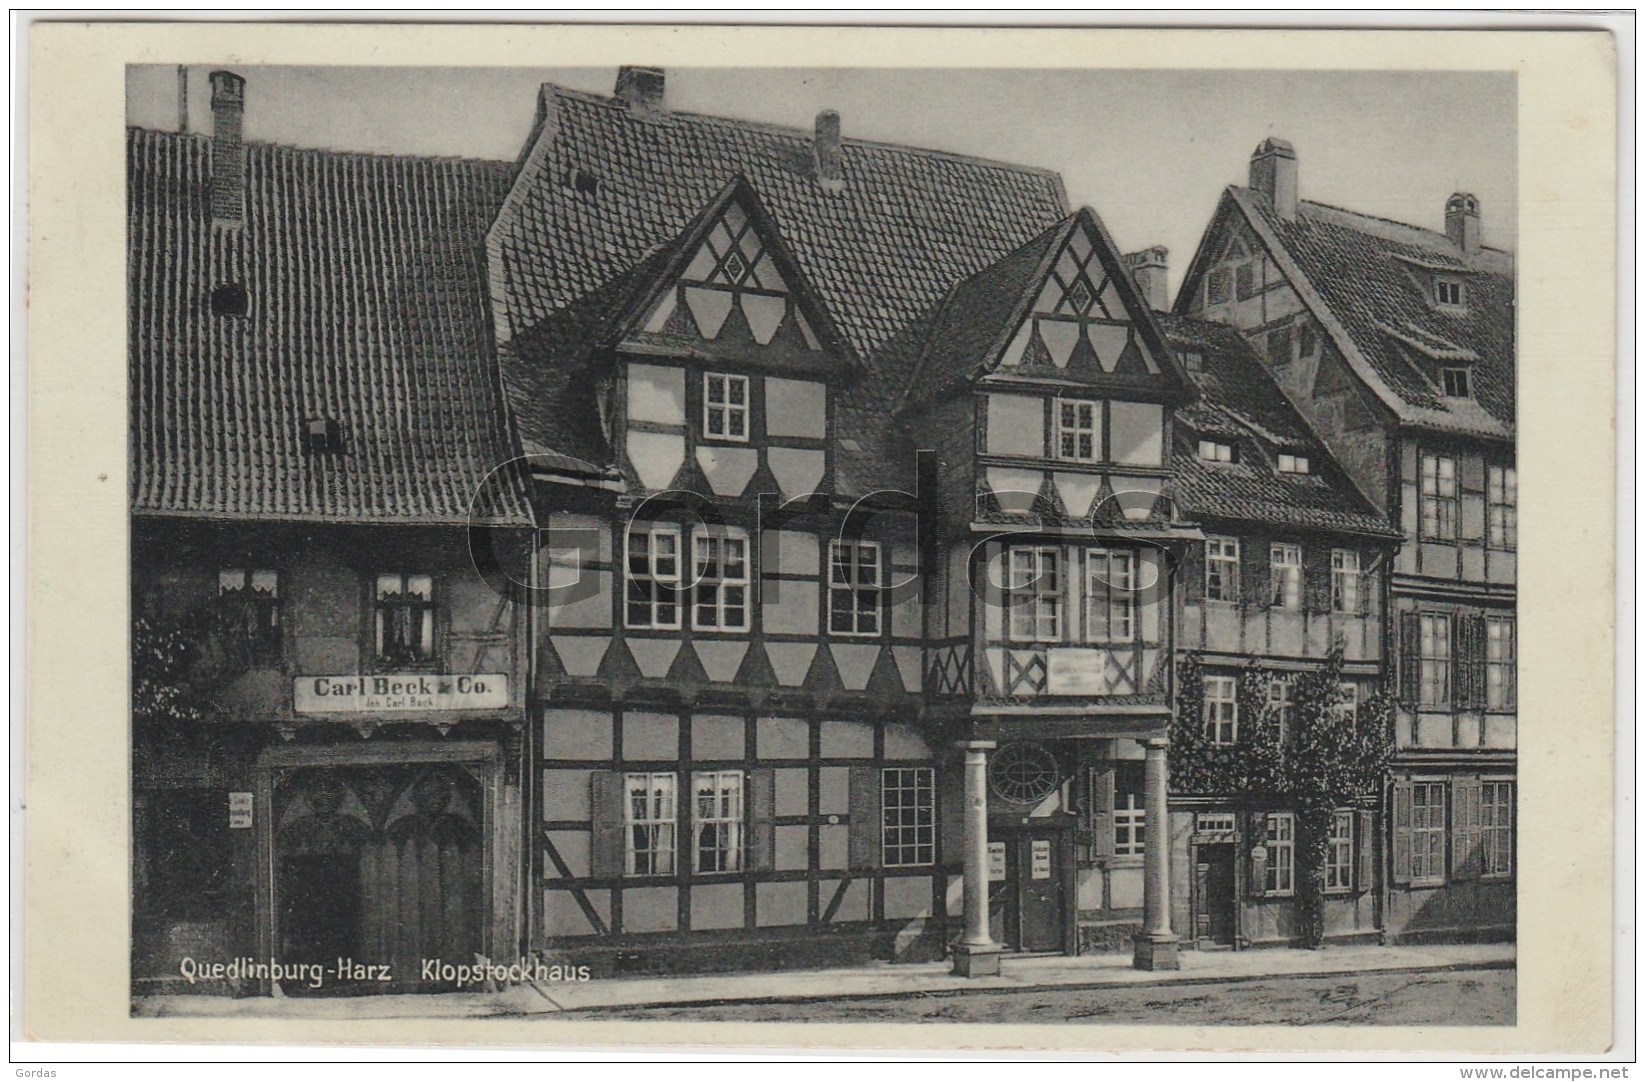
(1279, 346)
(1216, 286)
(230, 299)
(1455, 382)
(1192, 360)
(1245, 280)
(1216, 451)
(1448, 293)
(1289, 463)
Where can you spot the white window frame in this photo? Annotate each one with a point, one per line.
(1281, 700)
(1457, 375)
(908, 816)
(1086, 421)
(1223, 551)
(1345, 582)
(1502, 507)
(724, 586)
(1216, 451)
(1033, 590)
(1339, 854)
(1437, 496)
(1428, 840)
(1435, 666)
(718, 406)
(1285, 576)
(1279, 872)
(660, 585)
(1220, 710)
(1110, 595)
(857, 580)
(1289, 463)
(1501, 654)
(658, 821)
(1496, 828)
(1449, 293)
(722, 822)
(1130, 818)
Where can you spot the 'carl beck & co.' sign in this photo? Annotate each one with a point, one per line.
(414, 691)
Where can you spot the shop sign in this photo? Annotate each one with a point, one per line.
(996, 862)
(416, 691)
(1040, 858)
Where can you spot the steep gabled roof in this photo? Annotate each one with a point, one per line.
(364, 279)
(1368, 281)
(1239, 401)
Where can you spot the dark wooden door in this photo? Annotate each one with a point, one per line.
(1040, 894)
(1214, 894)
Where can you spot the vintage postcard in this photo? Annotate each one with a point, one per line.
(610, 531)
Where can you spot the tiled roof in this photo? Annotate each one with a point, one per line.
(1372, 274)
(880, 253)
(365, 281)
(1240, 402)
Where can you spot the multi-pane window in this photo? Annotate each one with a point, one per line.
(908, 817)
(251, 607)
(854, 580)
(1502, 507)
(725, 406)
(1339, 854)
(1130, 815)
(1281, 704)
(1076, 430)
(1499, 663)
(1216, 451)
(1285, 575)
(1110, 595)
(1034, 594)
(719, 563)
(649, 821)
(1496, 839)
(653, 597)
(1454, 382)
(1279, 873)
(1439, 497)
(1221, 709)
(1292, 463)
(717, 820)
(1222, 569)
(404, 619)
(1428, 831)
(1434, 659)
(1448, 292)
(1344, 581)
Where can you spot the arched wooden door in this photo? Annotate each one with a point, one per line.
(377, 866)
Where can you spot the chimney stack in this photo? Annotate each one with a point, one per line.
(182, 98)
(1147, 269)
(1462, 223)
(228, 161)
(1274, 174)
(825, 151)
(641, 89)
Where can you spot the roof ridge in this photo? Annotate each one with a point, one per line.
(355, 155)
(1433, 233)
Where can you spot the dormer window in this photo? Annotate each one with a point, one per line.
(1216, 451)
(1289, 463)
(582, 181)
(1192, 360)
(322, 436)
(1455, 382)
(1448, 293)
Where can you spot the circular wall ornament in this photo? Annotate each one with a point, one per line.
(1024, 772)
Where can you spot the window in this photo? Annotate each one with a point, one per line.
(1293, 463)
(1216, 451)
(1222, 569)
(1110, 595)
(1439, 497)
(725, 407)
(650, 824)
(322, 436)
(1192, 360)
(1214, 822)
(1034, 595)
(1428, 831)
(1448, 292)
(1130, 815)
(1285, 575)
(1339, 857)
(1454, 382)
(1435, 661)
(1344, 581)
(1502, 504)
(719, 579)
(1076, 430)
(1216, 286)
(854, 587)
(1306, 340)
(405, 619)
(1245, 280)
(1499, 663)
(1497, 827)
(1280, 703)
(1221, 709)
(1347, 703)
(251, 609)
(908, 817)
(1279, 873)
(653, 598)
(718, 822)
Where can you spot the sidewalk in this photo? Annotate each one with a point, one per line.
(882, 979)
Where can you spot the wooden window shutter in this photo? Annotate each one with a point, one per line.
(1465, 828)
(1256, 834)
(762, 813)
(1365, 850)
(1193, 571)
(864, 841)
(1316, 577)
(1256, 574)
(1410, 660)
(1402, 832)
(606, 853)
(1102, 811)
(1470, 662)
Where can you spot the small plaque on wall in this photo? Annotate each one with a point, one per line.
(239, 811)
(996, 862)
(1040, 858)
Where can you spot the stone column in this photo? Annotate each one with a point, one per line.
(976, 954)
(1156, 947)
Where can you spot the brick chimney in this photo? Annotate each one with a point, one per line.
(1274, 174)
(1148, 271)
(825, 151)
(641, 89)
(1462, 223)
(228, 158)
